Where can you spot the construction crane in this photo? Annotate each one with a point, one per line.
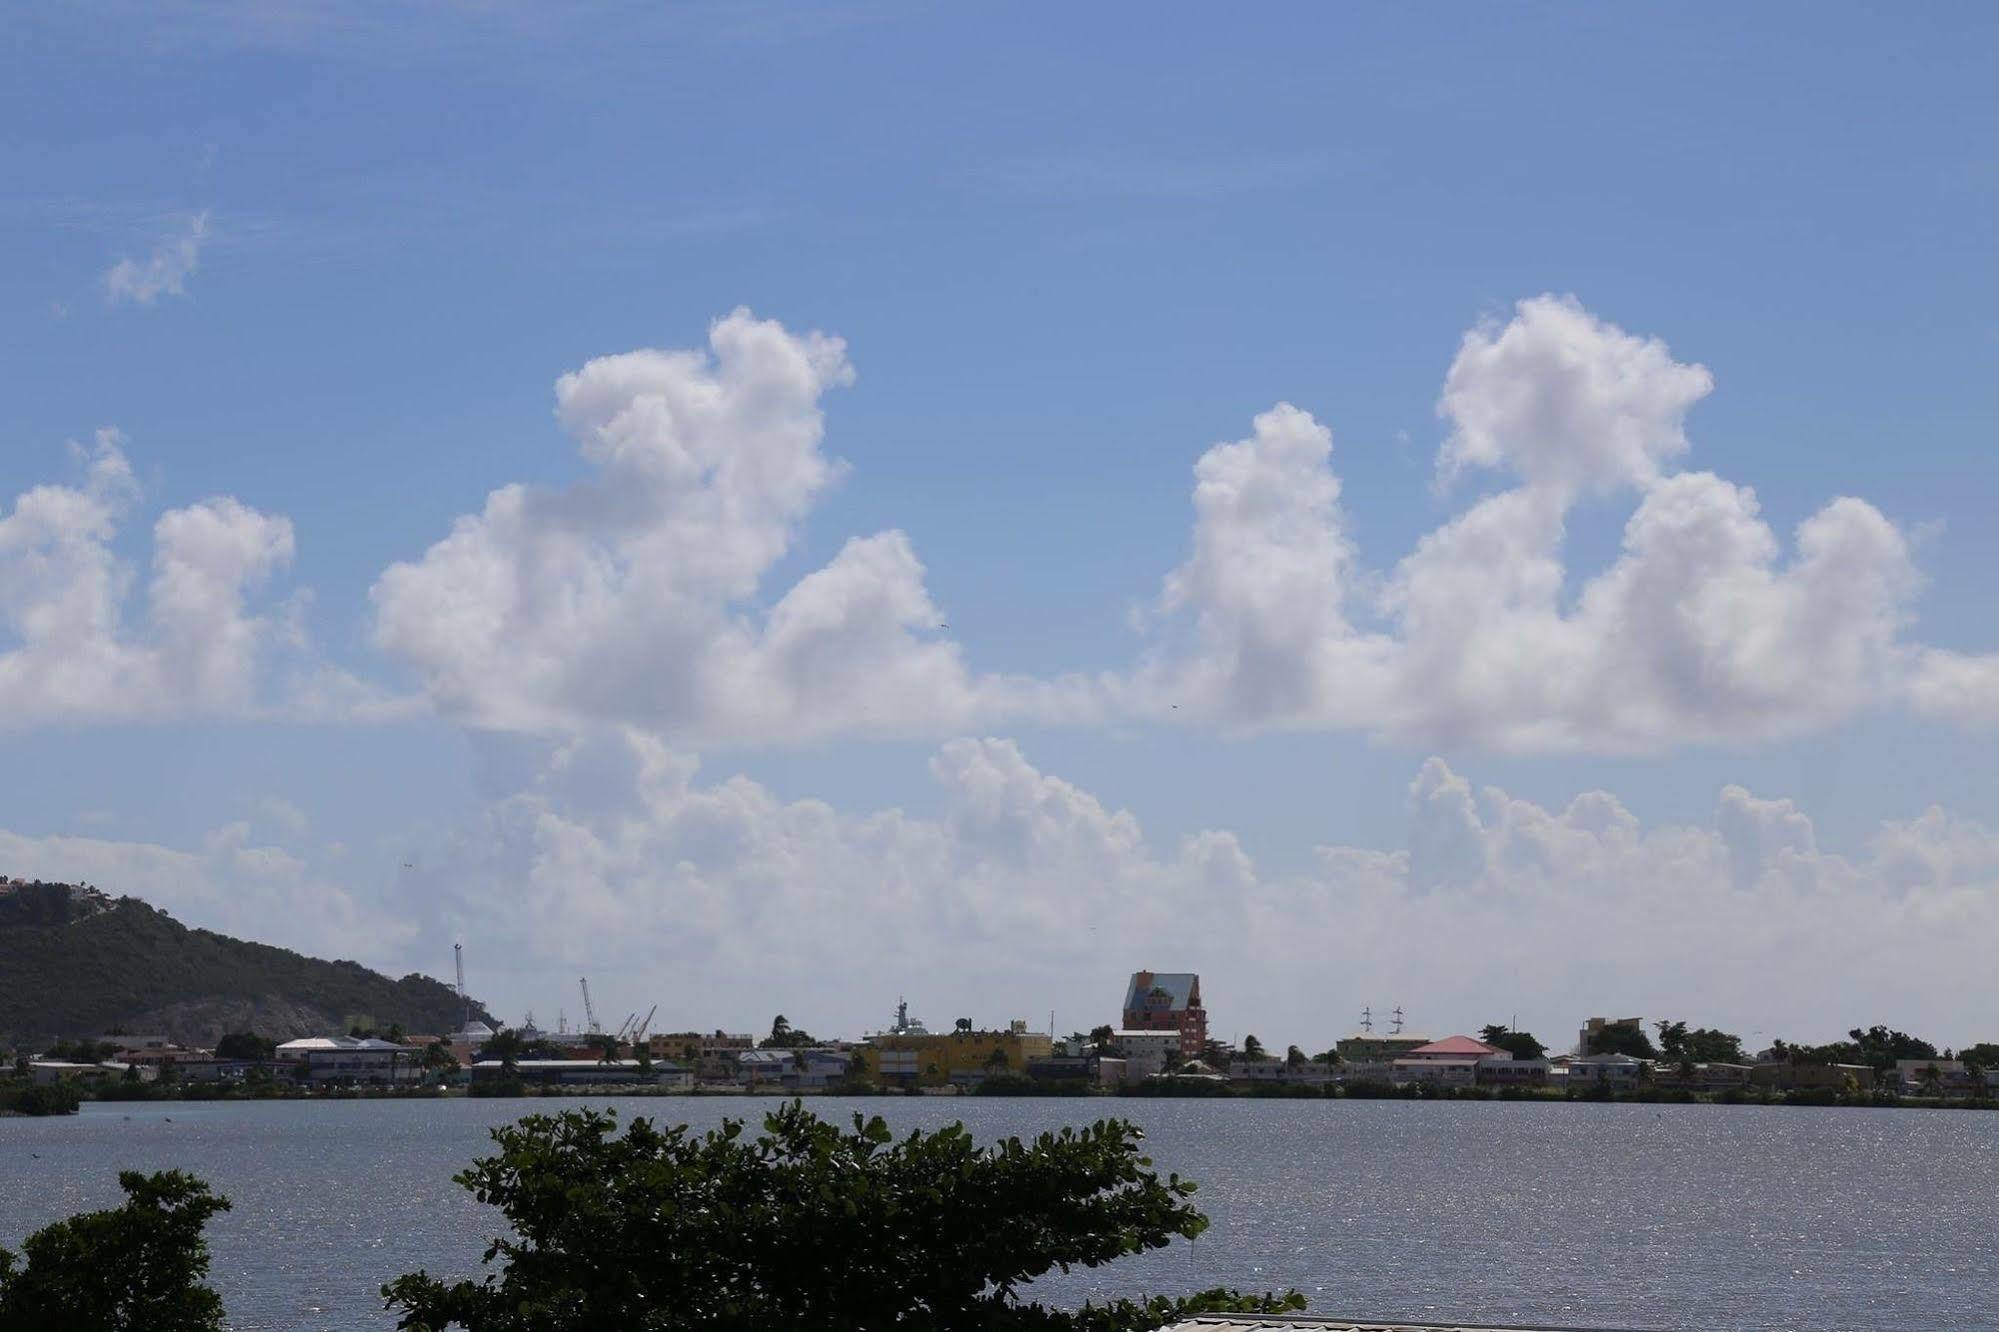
(639, 1034)
(464, 1004)
(589, 1010)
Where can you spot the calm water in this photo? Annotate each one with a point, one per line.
(1608, 1215)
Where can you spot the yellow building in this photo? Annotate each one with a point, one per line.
(934, 1059)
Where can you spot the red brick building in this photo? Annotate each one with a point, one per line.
(1168, 1001)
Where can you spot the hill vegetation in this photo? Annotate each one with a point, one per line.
(74, 962)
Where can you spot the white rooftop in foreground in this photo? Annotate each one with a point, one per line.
(1283, 1322)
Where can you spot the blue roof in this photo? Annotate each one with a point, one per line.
(1180, 984)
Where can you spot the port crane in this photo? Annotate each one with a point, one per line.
(590, 1024)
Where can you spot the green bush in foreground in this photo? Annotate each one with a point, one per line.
(137, 1267)
(807, 1226)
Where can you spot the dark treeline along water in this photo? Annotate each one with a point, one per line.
(1626, 1216)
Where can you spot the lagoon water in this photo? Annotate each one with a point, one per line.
(1620, 1216)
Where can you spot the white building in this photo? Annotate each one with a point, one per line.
(353, 1059)
(1145, 1051)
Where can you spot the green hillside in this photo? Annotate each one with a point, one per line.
(74, 963)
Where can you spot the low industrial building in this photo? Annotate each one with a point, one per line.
(803, 1069)
(587, 1073)
(1503, 1070)
(45, 1071)
(1096, 1070)
(1615, 1071)
(1145, 1053)
(352, 1061)
(1783, 1075)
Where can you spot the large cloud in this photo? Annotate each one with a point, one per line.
(233, 880)
(200, 648)
(1025, 893)
(627, 597)
(1706, 628)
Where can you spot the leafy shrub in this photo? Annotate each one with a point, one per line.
(137, 1267)
(806, 1226)
(47, 1098)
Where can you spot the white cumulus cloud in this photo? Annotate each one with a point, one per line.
(1707, 628)
(72, 649)
(630, 597)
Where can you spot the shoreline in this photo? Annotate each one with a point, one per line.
(1792, 1099)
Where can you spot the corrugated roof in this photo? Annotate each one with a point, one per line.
(311, 1044)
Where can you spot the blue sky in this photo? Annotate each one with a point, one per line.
(1067, 259)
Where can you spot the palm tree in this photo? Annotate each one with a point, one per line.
(996, 1062)
(1294, 1059)
(1252, 1048)
(611, 1048)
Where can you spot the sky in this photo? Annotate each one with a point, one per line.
(782, 509)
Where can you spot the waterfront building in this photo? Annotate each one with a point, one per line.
(1366, 1047)
(936, 1059)
(711, 1054)
(586, 1073)
(45, 1071)
(1589, 1040)
(1097, 1070)
(1705, 1077)
(1786, 1076)
(1451, 1062)
(342, 1060)
(1271, 1069)
(1145, 1052)
(803, 1069)
(1503, 1070)
(1168, 1001)
(1952, 1078)
(1615, 1071)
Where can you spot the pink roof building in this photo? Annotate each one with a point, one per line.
(1454, 1047)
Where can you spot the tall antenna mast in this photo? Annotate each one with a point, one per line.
(464, 1004)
